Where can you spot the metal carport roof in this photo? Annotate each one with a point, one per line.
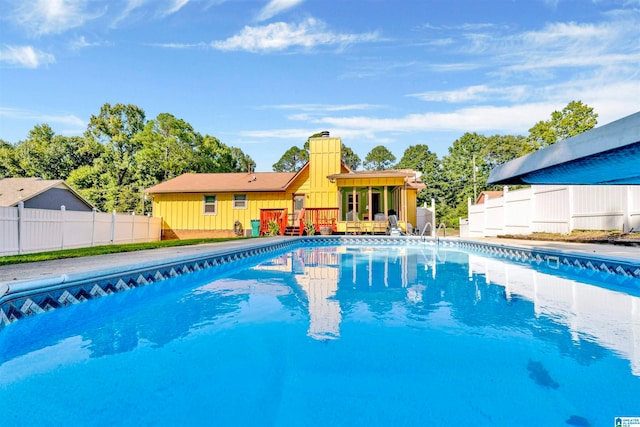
(609, 154)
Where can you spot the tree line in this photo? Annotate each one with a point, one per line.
(121, 153)
(451, 180)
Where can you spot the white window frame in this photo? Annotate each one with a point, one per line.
(206, 204)
(350, 202)
(239, 203)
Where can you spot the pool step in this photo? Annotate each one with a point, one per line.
(292, 231)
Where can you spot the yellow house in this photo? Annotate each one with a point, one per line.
(324, 193)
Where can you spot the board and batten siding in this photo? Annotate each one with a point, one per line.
(186, 211)
(324, 160)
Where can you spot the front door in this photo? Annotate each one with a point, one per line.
(298, 204)
(376, 204)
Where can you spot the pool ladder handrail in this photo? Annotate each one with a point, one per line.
(442, 225)
(424, 229)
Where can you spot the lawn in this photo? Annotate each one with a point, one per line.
(101, 250)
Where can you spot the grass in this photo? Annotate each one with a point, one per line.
(101, 250)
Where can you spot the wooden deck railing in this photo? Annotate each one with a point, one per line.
(267, 216)
(322, 217)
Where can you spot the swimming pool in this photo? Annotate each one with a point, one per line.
(349, 334)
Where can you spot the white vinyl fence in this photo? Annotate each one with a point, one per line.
(25, 230)
(426, 219)
(556, 209)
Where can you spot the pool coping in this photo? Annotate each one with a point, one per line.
(24, 298)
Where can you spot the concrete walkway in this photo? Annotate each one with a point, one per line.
(130, 260)
(123, 261)
(630, 253)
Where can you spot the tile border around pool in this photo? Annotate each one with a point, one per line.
(27, 298)
(538, 256)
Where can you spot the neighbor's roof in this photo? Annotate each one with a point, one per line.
(15, 190)
(606, 155)
(224, 182)
(413, 180)
(490, 194)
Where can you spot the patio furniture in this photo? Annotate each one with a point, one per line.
(353, 223)
(393, 229)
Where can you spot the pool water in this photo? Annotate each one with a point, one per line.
(335, 335)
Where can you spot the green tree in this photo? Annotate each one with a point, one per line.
(379, 158)
(116, 126)
(457, 183)
(242, 161)
(421, 159)
(349, 158)
(295, 158)
(49, 156)
(292, 160)
(574, 119)
(32, 153)
(167, 149)
(9, 163)
(502, 148)
(88, 181)
(213, 156)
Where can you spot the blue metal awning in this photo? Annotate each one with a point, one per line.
(606, 155)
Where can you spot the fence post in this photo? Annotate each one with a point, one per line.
(113, 227)
(626, 221)
(505, 218)
(469, 214)
(93, 227)
(571, 208)
(484, 215)
(433, 217)
(20, 226)
(63, 208)
(133, 225)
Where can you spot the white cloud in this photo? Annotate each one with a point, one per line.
(199, 45)
(82, 43)
(562, 45)
(300, 134)
(156, 9)
(25, 57)
(174, 6)
(64, 119)
(281, 36)
(612, 99)
(323, 107)
(274, 7)
(130, 7)
(475, 94)
(53, 16)
(487, 118)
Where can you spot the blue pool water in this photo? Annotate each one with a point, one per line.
(326, 335)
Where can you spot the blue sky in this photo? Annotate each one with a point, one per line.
(263, 75)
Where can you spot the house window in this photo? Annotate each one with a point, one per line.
(210, 205)
(239, 201)
(352, 214)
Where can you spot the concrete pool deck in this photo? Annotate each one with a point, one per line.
(129, 260)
